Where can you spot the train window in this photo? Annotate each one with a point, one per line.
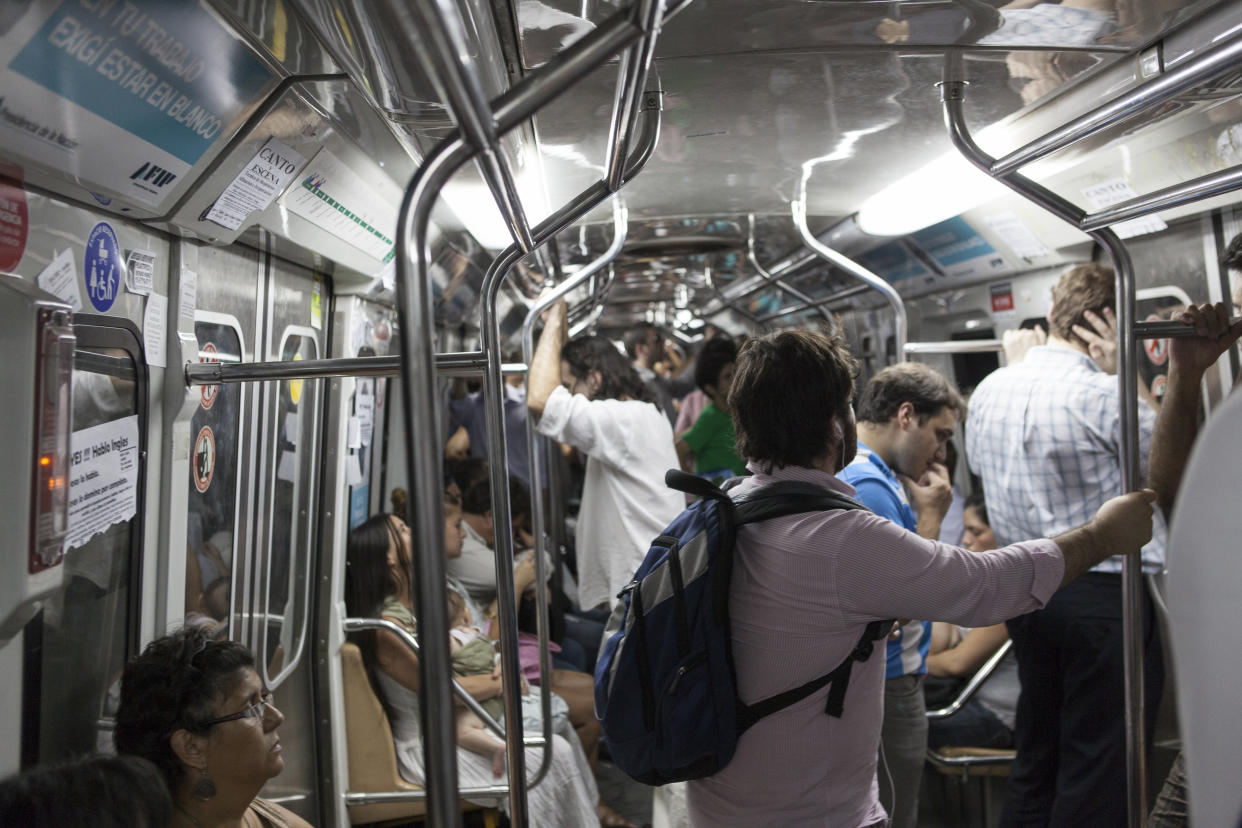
(287, 560)
(213, 504)
(77, 646)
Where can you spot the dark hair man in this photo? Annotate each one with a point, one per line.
(906, 415)
(1045, 437)
(711, 439)
(644, 345)
(586, 395)
(805, 586)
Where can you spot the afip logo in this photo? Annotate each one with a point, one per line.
(101, 267)
(152, 177)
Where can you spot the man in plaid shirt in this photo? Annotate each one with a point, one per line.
(1045, 436)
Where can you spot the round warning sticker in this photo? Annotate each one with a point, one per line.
(295, 386)
(1158, 386)
(101, 267)
(204, 459)
(208, 354)
(1157, 349)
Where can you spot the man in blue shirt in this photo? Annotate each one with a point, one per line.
(906, 415)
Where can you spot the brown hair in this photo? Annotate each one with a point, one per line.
(908, 382)
(787, 387)
(1084, 287)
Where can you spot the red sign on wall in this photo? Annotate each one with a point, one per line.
(1002, 297)
(14, 217)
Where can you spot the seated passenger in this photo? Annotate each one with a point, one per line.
(986, 720)
(100, 791)
(377, 584)
(474, 654)
(711, 439)
(806, 586)
(197, 709)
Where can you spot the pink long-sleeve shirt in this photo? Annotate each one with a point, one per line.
(804, 588)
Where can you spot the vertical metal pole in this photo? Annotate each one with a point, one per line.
(953, 93)
(423, 458)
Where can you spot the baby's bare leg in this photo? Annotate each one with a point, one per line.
(474, 736)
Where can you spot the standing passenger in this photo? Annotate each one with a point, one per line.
(906, 416)
(805, 587)
(711, 438)
(1045, 436)
(645, 347)
(586, 395)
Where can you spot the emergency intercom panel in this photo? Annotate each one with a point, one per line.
(37, 343)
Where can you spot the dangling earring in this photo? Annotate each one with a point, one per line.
(204, 788)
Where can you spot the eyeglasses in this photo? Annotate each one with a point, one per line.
(255, 711)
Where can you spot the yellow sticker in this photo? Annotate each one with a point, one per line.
(295, 386)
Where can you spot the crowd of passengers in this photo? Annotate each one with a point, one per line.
(1036, 563)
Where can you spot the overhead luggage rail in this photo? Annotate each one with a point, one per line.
(1212, 62)
(956, 346)
(460, 364)
(421, 398)
(862, 274)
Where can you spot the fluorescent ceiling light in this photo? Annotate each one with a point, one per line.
(947, 187)
(471, 201)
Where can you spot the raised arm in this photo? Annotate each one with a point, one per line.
(1177, 422)
(545, 368)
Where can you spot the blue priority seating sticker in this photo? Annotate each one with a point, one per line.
(101, 267)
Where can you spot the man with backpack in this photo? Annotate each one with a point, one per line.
(805, 587)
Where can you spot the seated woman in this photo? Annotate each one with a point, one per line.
(100, 791)
(377, 585)
(197, 709)
(986, 720)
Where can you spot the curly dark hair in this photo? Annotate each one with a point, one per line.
(976, 502)
(716, 354)
(923, 387)
(617, 376)
(172, 686)
(101, 791)
(1084, 287)
(786, 390)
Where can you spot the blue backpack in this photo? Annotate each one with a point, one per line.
(665, 687)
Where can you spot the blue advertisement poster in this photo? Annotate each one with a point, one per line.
(359, 505)
(959, 250)
(894, 263)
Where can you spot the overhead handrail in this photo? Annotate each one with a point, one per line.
(459, 364)
(1206, 186)
(776, 281)
(976, 681)
(493, 397)
(798, 209)
(420, 395)
(823, 301)
(956, 346)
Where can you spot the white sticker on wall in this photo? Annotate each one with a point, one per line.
(155, 330)
(255, 187)
(1014, 232)
(1115, 191)
(189, 294)
(140, 272)
(60, 278)
(103, 478)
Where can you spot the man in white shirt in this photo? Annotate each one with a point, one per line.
(588, 396)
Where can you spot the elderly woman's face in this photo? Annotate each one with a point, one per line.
(246, 750)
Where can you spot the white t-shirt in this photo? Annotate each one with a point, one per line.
(625, 504)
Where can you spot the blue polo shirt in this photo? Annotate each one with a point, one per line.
(878, 489)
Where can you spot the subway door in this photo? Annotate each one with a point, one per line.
(286, 529)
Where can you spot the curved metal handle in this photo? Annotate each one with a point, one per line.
(778, 281)
(976, 681)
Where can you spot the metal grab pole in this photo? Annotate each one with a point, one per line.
(862, 274)
(823, 301)
(1131, 573)
(776, 280)
(956, 346)
(1206, 186)
(496, 439)
(465, 363)
(423, 460)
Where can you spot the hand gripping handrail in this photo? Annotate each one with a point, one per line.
(952, 96)
(421, 410)
(798, 209)
(777, 281)
(493, 396)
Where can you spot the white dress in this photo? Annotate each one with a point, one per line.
(565, 798)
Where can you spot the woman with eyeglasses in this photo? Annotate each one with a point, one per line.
(198, 710)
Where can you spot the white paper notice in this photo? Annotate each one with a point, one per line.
(293, 426)
(287, 469)
(1116, 191)
(353, 437)
(332, 196)
(60, 278)
(103, 478)
(353, 470)
(189, 294)
(154, 329)
(140, 271)
(265, 177)
(1014, 232)
(364, 410)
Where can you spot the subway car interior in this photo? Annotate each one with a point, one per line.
(253, 250)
